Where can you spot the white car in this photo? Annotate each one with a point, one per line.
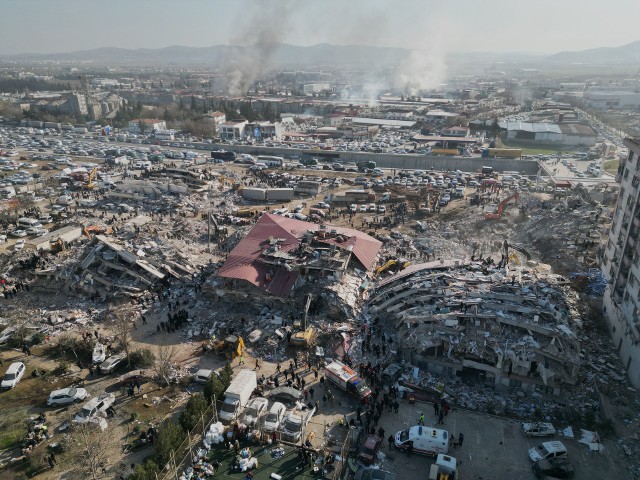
(363, 208)
(203, 375)
(18, 233)
(255, 409)
(539, 429)
(111, 363)
(36, 231)
(65, 396)
(13, 375)
(274, 418)
(18, 246)
(382, 209)
(95, 407)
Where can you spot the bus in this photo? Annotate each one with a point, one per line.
(270, 161)
(223, 155)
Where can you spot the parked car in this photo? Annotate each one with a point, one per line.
(554, 467)
(537, 429)
(369, 449)
(111, 363)
(274, 418)
(95, 407)
(19, 245)
(65, 396)
(203, 375)
(13, 375)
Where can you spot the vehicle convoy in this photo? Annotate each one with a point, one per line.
(538, 429)
(424, 440)
(347, 380)
(445, 468)
(237, 395)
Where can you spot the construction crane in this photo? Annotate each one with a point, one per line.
(498, 213)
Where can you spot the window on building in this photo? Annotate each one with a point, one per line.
(626, 173)
(626, 296)
(632, 280)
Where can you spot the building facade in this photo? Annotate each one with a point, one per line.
(232, 130)
(149, 125)
(621, 266)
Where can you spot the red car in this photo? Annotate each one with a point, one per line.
(369, 449)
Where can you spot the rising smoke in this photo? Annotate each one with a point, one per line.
(265, 30)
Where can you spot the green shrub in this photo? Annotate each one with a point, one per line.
(142, 358)
(193, 411)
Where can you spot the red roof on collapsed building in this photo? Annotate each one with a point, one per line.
(243, 262)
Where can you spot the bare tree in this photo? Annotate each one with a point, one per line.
(93, 446)
(165, 360)
(122, 325)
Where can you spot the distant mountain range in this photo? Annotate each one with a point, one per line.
(629, 53)
(322, 54)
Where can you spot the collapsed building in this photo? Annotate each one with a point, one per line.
(280, 254)
(456, 319)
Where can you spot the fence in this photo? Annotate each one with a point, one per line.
(185, 452)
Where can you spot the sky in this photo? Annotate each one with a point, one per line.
(541, 26)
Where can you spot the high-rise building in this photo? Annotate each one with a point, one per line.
(621, 265)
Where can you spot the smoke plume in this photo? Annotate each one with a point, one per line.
(266, 29)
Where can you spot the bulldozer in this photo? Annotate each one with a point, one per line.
(229, 347)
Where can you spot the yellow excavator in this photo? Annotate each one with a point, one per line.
(393, 264)
(305, 336)
(90, 184)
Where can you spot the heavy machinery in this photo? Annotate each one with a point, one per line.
(90, 184)
(393, 264)
(88, 230)
(229, 347)
(498, 213)
(305, 336)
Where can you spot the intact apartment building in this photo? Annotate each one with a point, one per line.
(621, 265)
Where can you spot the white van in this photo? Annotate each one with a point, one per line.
(13, 375)
(26, 222)
(547, 451)
(425, 440)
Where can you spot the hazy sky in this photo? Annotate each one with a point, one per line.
(540, 26)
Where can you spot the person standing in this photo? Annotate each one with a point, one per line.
(460, 439)
(391, 441)
(441, 418)
(421, 419)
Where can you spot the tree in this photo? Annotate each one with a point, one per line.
(226, 374)
(170, 436)
(213, 388)
(165, 359)
(92, 448)
(193, 411)
(122, 329)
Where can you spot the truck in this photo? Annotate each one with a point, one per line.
(294, 424)
(237, 395)
(309, 161)
(347, 379)
(367, 165)
(505, 152)
(424, 440)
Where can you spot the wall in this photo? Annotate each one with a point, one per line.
(623, 339)
(422, 162)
